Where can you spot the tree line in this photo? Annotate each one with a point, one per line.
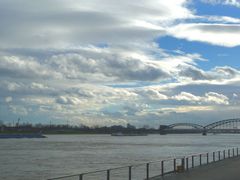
(72, 129)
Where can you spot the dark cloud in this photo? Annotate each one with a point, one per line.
(194, 73)
(16, 67)
(75, 66)
(217, 73)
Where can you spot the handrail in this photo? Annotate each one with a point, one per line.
(184, 163)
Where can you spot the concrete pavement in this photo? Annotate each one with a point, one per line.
(228, 169)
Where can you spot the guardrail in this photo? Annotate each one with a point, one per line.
(154, 168)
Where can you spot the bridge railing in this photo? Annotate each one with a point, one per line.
(151, 169)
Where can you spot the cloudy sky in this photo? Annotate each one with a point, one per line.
(107, 62)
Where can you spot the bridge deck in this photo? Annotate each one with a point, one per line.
(227, 169)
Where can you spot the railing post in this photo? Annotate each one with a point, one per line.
(174, 164)
(162, 168)
(108, 174)
(219, 156)
(192, 161)
(80, 176)
(200, 159)
(129, 172)
(213, 156)
(207, 159)
(228, 153)
(233, 152)
(187, 163)
(224, 156)
(183, 164)
(237, 151)
(147, 172)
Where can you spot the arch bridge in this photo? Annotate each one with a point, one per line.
(222, 123)
(222, 126)
(196, 126)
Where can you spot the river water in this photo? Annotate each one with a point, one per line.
(58, 155)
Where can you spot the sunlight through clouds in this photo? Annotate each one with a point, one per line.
(107, 62)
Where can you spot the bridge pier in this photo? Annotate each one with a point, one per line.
(204, 133)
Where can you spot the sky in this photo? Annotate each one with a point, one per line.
(109, 62)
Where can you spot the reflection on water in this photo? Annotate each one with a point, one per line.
(70, 154)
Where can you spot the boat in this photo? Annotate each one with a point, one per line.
(17, 136)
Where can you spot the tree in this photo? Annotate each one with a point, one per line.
(129, 126)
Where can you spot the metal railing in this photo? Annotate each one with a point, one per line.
(152, 169)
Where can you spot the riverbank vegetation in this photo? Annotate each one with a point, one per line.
(69, 129)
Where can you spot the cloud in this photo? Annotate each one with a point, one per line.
(209, 98)
(16, 67)
(219, 19)
(215, 74)
(12, 86)
(100, 62)
(62, 24)
(8, 99)
(216, 34)
(187, 109)
(106, 66)
(223, 2)
(216, 98)
(152, 94)
(38, 86)
(71, 100)
(194, 73)
(184, 96)
(18, 110)
(227, 72)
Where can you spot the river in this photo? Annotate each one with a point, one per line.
(30, 159)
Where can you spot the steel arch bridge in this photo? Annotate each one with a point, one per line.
(209, 126)
(220, 123)
(222, 126)
(196, 126)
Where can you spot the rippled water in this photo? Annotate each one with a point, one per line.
(70, 154)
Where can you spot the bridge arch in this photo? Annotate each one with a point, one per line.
(196, 126)
(222, 122)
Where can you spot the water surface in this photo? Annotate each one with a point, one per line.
(57, 155)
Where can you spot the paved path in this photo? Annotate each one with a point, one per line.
(228, 169)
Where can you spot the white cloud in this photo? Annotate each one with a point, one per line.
(216, 98)
(12, 86)
(18, 110)
(8, 99)
(216, 34)
(40, 86)
(66, 23)
(209, 98)
(69, 100)
(152, 94)
(221, 19)
(235, 95)
(184, 96)
(186, 109)
(37, 100)
(17, 67)
(223, 2)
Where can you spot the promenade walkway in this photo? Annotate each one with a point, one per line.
(228, 169)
